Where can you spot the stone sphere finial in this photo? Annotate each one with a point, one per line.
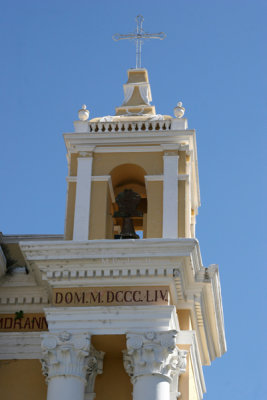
(83, 113)
(179, 110)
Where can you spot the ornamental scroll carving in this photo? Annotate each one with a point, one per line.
(65, 354)
(95, 367)
(154, 353)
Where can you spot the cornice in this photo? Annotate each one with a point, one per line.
(130, 248)
(140, 138)
(5, 239)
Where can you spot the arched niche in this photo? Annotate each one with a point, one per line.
(130, 176)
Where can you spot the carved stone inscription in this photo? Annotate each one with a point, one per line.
(29, 322)
(111, 296)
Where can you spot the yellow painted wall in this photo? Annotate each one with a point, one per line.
(154, 209)
(114, 383)
(98, 210)
(182, 162)
(184, 318)
(104, 163)
(22, 380)
(184, 378)
(70, 210)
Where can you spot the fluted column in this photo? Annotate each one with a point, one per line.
(67, 364)
(153, 362)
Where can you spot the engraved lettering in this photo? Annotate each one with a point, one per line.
(164, 295)
(110, 296)
(127, 300)
(44, 323)
(8, 326)
(119, 300)
(135, 293)
(68, 297)
(59, 298)
(149, 300)
(37, 322)
(27, 324)
(95, 298)
(79, 299)
(17, 324)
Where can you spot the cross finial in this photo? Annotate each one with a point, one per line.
(139, 36)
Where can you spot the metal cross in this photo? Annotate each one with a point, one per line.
(139, 36)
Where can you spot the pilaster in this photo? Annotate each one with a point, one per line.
(83, 196)
(170, 192)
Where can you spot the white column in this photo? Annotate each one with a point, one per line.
(153, 360)
(83, 197)
(170, 194)
(68, 361)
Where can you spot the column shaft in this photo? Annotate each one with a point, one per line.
(170, 196)
(83, 197)
(151, 388)
(65, 387)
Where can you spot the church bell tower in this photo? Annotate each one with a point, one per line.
(140, 316)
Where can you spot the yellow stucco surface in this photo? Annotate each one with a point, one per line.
(22, 380)
(114, 383)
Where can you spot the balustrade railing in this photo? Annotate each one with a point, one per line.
(139, 126)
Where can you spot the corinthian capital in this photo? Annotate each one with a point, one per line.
(153, 353)
(65, 354)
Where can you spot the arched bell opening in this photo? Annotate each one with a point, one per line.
(129, 177)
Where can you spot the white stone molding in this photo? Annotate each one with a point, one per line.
(154, 363)
(170, 194)
(20, 345)
(65, 354)
(95, 367)
(129, 149)
(113, 320)
(160, 178)
(83, 197)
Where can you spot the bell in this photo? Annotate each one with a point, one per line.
(127, 202)
(128, 231)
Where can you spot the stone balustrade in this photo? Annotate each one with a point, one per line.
(120, 127)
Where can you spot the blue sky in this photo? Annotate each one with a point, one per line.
(57, 55)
